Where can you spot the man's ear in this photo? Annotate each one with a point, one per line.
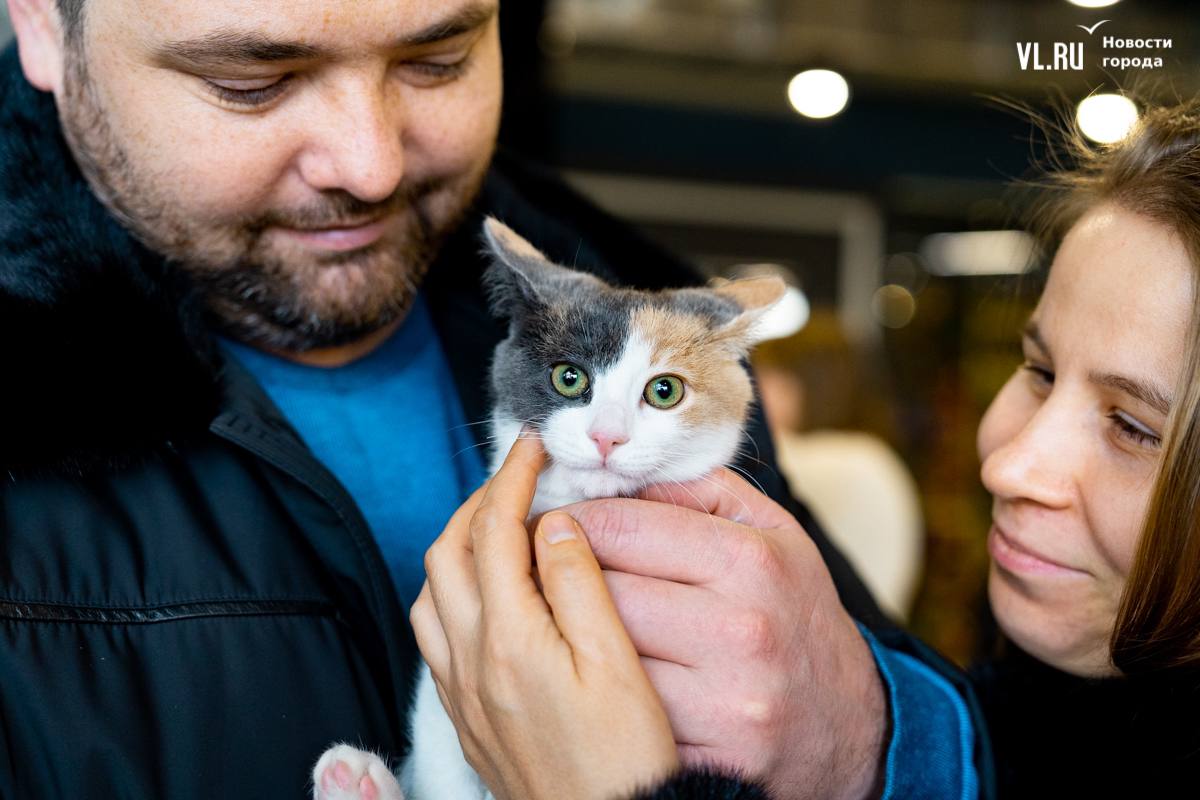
(38, 28)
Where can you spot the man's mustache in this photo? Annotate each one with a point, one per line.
(338, 208)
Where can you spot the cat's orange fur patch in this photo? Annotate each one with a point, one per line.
(708, 360)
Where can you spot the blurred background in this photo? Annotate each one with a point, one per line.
(861, 149)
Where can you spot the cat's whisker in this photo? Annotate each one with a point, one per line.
(470, 424)
(726, 489)
(748, 439)
(712, 518)
(757, 453)
(744, 455)
(746, 474)
(470, 447)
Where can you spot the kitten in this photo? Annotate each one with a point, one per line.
(625, 389)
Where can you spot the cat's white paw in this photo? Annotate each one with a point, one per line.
(347, 773)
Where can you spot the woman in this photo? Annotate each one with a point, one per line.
(1092, 455)
(1091, 452)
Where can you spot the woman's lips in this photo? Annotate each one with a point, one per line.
(340, 240)
(1016, 558)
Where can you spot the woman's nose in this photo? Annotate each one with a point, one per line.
(1039, 458)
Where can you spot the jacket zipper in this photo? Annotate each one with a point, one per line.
(171, 612)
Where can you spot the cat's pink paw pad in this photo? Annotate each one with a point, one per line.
(347, 773)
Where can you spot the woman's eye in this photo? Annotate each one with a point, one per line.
(247, 92)
(568, 380)
(665, 391)
(1134, 431)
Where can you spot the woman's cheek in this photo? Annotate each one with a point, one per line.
(1119, 515)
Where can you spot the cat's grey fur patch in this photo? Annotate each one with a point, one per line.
(713, 308)
(541, 336)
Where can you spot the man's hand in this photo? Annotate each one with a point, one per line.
(741, 632)
(545, 688)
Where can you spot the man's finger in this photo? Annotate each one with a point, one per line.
(725, 494)
(688, 700)
(498, 536)
(660, 540)
(667, 620)
(577, 595)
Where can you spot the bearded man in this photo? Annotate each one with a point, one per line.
(244, 341)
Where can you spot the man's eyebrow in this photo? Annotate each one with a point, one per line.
(233, 47)
(224, 46)
(465, 20)
(1148, 393)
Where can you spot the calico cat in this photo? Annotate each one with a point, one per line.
(625, 388)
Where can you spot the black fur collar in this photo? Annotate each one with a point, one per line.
(105, 353)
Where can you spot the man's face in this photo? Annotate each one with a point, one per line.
(301, 160)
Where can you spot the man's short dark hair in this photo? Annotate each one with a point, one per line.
(71, 12)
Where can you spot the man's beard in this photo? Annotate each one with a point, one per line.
(291, 301)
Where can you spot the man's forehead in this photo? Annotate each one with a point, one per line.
(273, 29)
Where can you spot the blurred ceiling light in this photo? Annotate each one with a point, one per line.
(893, 306)
(979, 253)
(557, 37)
(1093, 3)
(1106, 118)
(818, 93)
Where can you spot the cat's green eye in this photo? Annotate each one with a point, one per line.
(665, 391)
(569, 380)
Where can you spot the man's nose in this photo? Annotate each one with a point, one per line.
(359, 146)
(1041, 461)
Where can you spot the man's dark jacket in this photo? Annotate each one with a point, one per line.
(191, 605)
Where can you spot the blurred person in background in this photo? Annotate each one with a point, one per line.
(814, 392)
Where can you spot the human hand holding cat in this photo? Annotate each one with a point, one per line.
(741, 632)
(544, 688)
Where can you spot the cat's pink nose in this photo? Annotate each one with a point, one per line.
(607, 442)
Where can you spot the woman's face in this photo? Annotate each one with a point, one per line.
(1071, 443)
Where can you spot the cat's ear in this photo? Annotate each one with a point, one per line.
(754, 297)
(521, 277)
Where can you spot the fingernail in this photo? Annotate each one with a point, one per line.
(558, 528)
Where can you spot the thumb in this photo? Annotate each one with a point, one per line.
(576, 592)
